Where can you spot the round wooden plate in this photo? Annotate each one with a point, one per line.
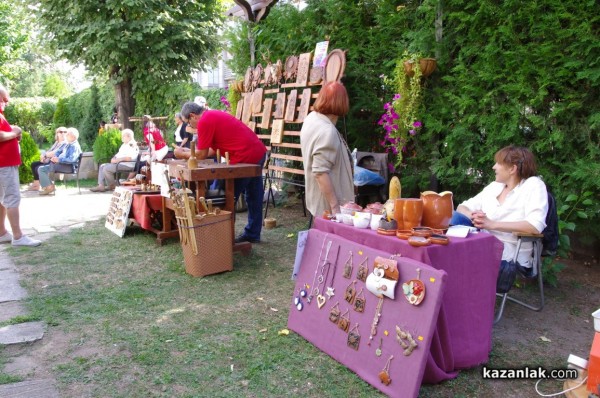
(335, 64)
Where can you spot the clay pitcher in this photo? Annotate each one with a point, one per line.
(412, 213)
(192, 161)
(399, 212)
(437, 209)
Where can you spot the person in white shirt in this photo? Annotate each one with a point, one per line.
(127, 154)
(516, 202)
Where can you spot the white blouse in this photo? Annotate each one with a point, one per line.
(528, 201)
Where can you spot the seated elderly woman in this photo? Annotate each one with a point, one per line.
(62, 161)
(59, 141)
(516, 202)
(127, 155)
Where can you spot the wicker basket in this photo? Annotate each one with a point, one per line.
(213, 240)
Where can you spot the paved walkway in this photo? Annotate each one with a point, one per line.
(41, 217)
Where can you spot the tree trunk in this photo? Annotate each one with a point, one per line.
(125, 102)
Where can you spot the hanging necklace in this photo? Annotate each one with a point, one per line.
(384, 375)
(376, 319)
(315, 288)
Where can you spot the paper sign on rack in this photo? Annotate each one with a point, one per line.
(320, 54)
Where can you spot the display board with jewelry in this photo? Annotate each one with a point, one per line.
(376, 312)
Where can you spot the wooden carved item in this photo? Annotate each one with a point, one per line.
(268, 74)
(251, 126)
(277, 131)
(239, 109)
(304, 104)
(277, 72)
(290, 109)
(303, 65)
(335, 64)
(247, 112)
(257, 99)
(316, 75)
(248, 79)
(257, 76)
(291, 67)
(266, 116)
(279, 106)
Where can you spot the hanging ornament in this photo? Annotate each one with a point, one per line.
(348, 267)
(384, 375)
(360, 301)
(414, 289)
(354, 338)
(363, 270)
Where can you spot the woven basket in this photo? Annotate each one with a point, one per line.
(214, 243)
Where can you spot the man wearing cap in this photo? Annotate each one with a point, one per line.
(10, 194)
(218, 130)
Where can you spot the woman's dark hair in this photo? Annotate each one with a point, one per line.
(333, 100)
(520, 157)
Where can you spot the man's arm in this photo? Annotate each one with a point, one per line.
(10, 135)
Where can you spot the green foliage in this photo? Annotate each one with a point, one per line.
(576, 207)
(55, 86)
(62, 115)
(13, 38)
(106, 146)
(523, 73)
(146, 43)
(29, 154)
(91, 123)
(31, 114)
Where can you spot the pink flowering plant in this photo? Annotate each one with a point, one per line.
(397, 133)
(401, 119)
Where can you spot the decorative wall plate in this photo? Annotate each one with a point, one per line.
(277, 72)
(257, 100)
(303, 66)
(279, 106)
(335, 64)
(266, 116)
(291, 66)
(316, 75)
(268, 74)
(304, 104)
(290, 109)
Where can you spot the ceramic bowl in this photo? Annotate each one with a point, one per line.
(404, 233)
(418, 241)
(439, 239)
(422, 231)
(347, 219)
(375, 218)
(350, 208)
(339, 217)
(361, 222)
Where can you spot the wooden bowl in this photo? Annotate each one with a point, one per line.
(270, 223)
(418, 241)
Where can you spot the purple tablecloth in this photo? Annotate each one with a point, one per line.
(463, 338)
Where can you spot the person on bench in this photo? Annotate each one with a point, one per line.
(325, 154)
(125, 159)
(62, 161)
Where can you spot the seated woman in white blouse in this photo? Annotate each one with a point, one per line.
(516, 202)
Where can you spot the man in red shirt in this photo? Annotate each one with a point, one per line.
(218, 130)
(10, 194)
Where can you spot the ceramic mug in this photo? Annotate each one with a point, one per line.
(412, 213)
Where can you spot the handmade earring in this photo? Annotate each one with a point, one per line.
(363, 270)
(378, 350)
(354, 338)
(384, 375)
(350, 292)
(348, 267)
(298, 300)
(360, 301)
(334, 314)
(414, 289)
(401, 336)
(344, 322)
(376, 320)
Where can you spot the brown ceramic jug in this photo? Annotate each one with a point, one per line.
(412, 213)
(437, 209)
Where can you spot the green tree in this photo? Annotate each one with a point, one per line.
(13, 38)
(138, 45)
(91, 124)
(55, 86)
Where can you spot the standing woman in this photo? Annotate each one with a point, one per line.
(154, 139)
(327, 159)
(59, 141)
(182, 137)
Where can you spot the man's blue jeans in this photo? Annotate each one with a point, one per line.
(253, 189)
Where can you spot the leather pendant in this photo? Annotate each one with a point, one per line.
(321, 301)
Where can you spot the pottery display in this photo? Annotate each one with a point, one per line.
(374, 208)
(408, 212)
(387, 227)
(425, 232)
(437, 209)
(375, 218)
(350, 208)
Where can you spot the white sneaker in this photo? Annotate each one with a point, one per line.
(7, 237)
(26, 241)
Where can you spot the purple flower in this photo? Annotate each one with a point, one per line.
(412, 132)
(391, 167)
(397, 97)
(417, 124)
